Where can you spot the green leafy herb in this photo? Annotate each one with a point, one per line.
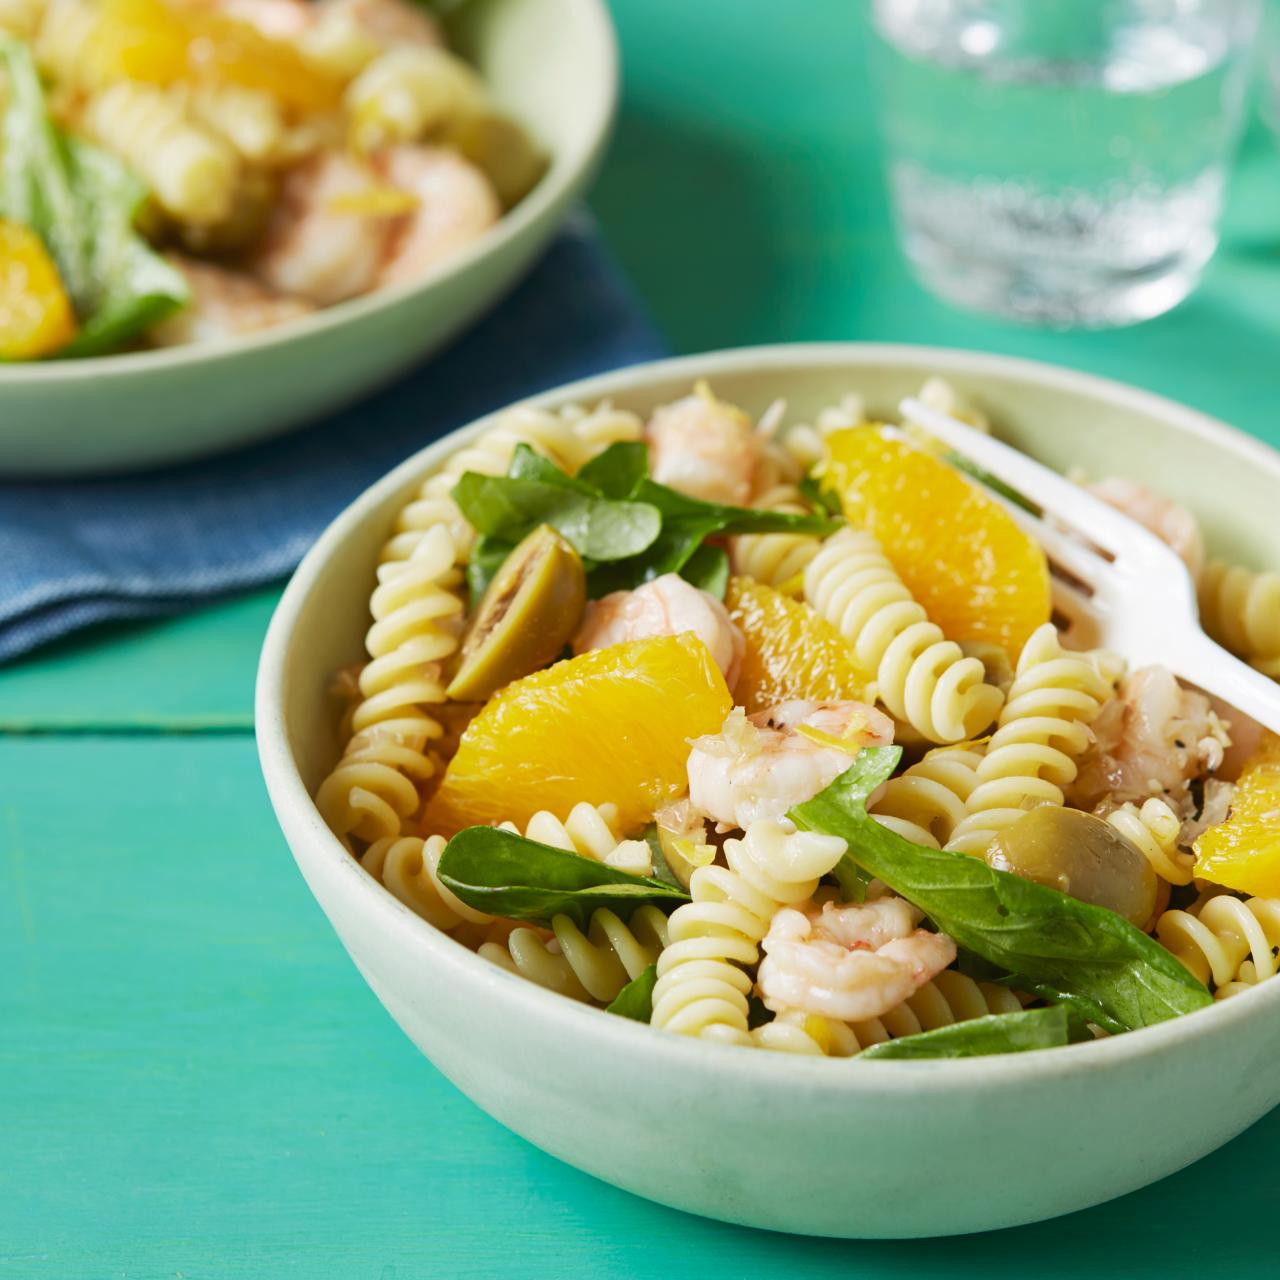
(1065, 950)
(686, 524)
(997, 1033)
(821, 499)
(661, 867)
(617, 471)
(628, 529)
(994, 483)
(708, 570)
(82, 202)
(504, 874)
(635, 1000)
(506, 508)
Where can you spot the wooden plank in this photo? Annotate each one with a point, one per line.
(192, 674)
(197, 1083)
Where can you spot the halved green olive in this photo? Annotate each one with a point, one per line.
(1082, 855)
(526, 616)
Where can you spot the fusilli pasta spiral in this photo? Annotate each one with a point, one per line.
(776, 559)
(590, 831)
(417, 615)
(1229, 942)
(926, 802)
(595, 965)
(406, 865)
(193, 173)
(922, 677)
(807, 444)
(249, 119)
(951, 997)
(1042, 731)
(701, 989)
(568, 437)
(1153, 829)
(408, 93)
(1240, 609)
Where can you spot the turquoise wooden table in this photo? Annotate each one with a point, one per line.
(194, 1082)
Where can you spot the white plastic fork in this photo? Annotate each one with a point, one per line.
(1138, 593)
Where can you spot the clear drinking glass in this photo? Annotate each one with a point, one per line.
(1062, 162)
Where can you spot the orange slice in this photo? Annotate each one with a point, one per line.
(791, 651)
(161, 43)
(978, 576)
(609, 726)
(1243, 853)
(35, 314)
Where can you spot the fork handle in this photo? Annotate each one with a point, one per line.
(1207, 664)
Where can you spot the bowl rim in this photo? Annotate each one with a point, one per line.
(567, 168)
(311, 839)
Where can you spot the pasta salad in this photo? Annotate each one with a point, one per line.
(766, 733)
(180, 170)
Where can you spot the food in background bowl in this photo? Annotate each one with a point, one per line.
(191, 169)
(820, 773)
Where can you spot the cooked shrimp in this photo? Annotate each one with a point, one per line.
(1246, 737)
(667, 606)
(1152, 739)
(1173, 525)
(760, 766)
(850, 962)
(223, 304)
(455, 205)
(320, 244)
(704, 448)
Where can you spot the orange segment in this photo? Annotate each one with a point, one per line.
(1243, 853)
(791, 651)
(978, 576)
(612, 725)
(160, 43)
(35, 314)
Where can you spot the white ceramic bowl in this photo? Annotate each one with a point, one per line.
(830, 1147)
(553, 64)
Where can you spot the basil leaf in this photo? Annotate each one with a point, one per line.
(820, 499)
(487, 556)
(617, 471)
(661, 867)
(1110, 972)
(708, 570)
(678, 507)
(528, 464)
(635, 1000)
(686, 524)
(507, 508)
(504, 874)
(979, 1037)
(82, 202)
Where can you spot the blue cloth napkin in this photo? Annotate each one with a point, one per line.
(74, 553)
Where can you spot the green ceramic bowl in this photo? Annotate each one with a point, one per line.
(830, 1147)
(553, 64)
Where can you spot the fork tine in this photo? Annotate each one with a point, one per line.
(1101, 524)
(1066, 552)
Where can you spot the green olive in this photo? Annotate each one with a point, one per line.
(501, 149)
(1082, 855)
(525, 618)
